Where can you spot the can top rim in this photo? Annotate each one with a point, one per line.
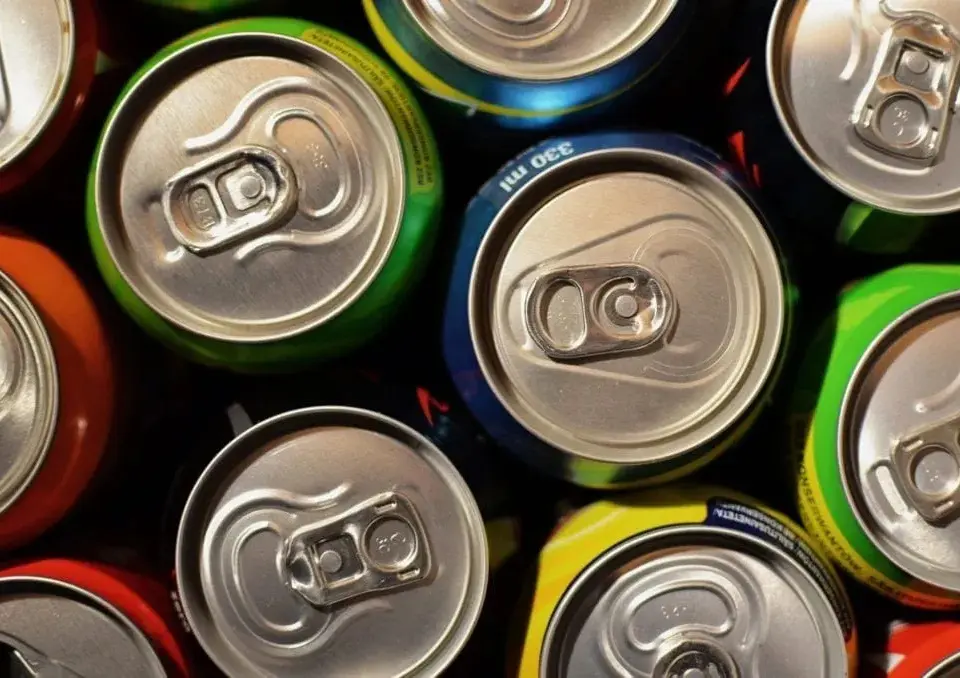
(256, 321)
(522, 48)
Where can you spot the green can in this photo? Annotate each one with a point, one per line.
(878, 435)
(265, 194)
(202, 6)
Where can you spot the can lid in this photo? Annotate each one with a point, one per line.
(37, 37)
(627, 306)
(535, 40)
(52, 628)
(331, 541)
(868, 93)
(250, 187)
(948, 668)
(28, 392)
(694, 602)
(900, 442)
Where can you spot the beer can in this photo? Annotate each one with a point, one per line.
(876, 430)
(531, 65)
(915, 650)
(265, 194)
(63, 617)
(50, 58)
(685, 582)
(56, 389)
(321, 529)
(618, 311)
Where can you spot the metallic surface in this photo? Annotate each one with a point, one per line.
(37, 43)
(948, 668)
(28, 392)
(335, 542)
(694, 602)
(260, 188)
(899, 447)
(49, 628)
(535, 40)
(695, 339)
(868, 93)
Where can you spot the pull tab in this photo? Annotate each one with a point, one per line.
(24, 662)
(625, 307)
(378, 545)
(907, 105)
(229, 197)
(927, 467)
(695, 658)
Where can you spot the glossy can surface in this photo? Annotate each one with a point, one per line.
(915, 650)
(57, 402)
(627, 271)
(52, 612)
(289, 563)
(687, 581)
(49, 63)
(284, 219)
(528, 64)
(879, 468)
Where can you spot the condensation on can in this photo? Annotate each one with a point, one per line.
(638, 565)
(619, 311)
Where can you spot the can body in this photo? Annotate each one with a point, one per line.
(518, 101)
(589, 535)
(138, 598)
(77, 71)
(202, 6)
(830, 491)
(466, 321)
(914, 650)
(415, 187)
(86, 377)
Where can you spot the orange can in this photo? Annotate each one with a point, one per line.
(915, 650)
(57, 402)
(50, 57)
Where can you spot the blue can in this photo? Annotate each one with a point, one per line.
(619, 311)
(528, 69)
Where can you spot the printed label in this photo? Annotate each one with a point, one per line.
(542, 157)
(736, 516)
(415, 137)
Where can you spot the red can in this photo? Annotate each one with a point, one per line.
(57, 403)
(928, 650)
(54, 612)
(50, 57)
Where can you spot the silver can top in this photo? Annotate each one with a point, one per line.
(250, 187)
(29, 399)
(868, 93)
(38, 38)
(694, 602)
(335, 542)
(899, 443)
(49, 628)
(627, 306)
(536, 40)
(948, 668)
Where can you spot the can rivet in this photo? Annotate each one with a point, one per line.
(251, 186)
(330, 562)
(935, 471)
(917, 62)
(626, 306)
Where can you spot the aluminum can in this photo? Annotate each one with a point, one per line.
(50, 56)
(618, 311)
(875, 423)
(289, 562)
(686, 582)
(57, 402)
(265, 194)
(54, 611)
(530, 65)
(915, 650)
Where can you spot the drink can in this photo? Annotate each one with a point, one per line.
(56, 389)
(685, 582)
(618, 311)
(265, 194)
(876, 430)
(49, 61)
(320, 529)
(915, 650)
(53, 611)
(528, 66)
